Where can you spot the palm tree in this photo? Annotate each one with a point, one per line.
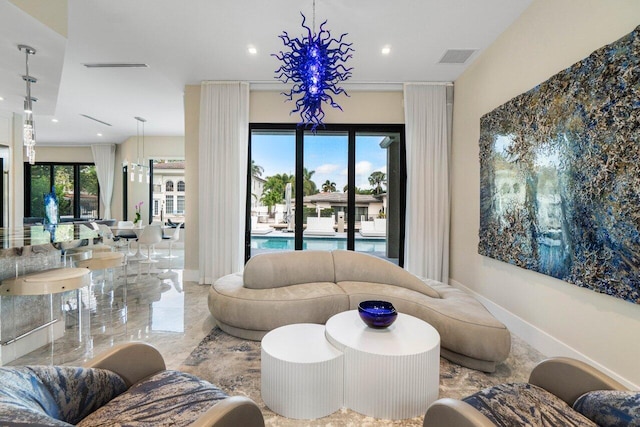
(328, 187)
(273, 190)
(256, 169)
(309, 186)
(376, 179)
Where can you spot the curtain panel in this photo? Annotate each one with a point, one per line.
(104, 157)
(428, 131)
(223, 151)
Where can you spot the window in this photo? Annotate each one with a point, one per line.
(168, 183)
(75, 185)
(180, 200)
(156, 207)
(169, 204)
(351, 180)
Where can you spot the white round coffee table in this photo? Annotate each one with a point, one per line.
(391, 373)
(301, 372)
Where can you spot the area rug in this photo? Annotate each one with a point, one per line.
(233, 364)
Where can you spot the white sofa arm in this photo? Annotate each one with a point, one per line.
(570, 378)
(133, 361)
(231, 412)
(449, 412)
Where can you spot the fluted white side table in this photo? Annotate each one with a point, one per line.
(301, 372)
(391, 373)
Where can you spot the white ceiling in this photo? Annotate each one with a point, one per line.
(185, 42)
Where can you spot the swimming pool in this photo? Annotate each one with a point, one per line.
(284, 243)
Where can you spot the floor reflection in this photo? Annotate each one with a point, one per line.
(160, 309)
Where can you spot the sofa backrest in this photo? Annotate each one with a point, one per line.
(353, 266)
(278, 269)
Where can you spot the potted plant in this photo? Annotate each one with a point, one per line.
(137, 218)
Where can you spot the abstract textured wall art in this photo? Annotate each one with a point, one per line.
(560, 174)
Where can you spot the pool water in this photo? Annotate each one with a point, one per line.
(316, 244)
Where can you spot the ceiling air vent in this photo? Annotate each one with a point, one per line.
(95, 120)
(115, 65)
(456, 56)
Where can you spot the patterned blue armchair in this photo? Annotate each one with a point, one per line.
(127, 385)
(560, 392)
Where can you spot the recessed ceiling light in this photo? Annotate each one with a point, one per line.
(99, 134)
(252, 50)
(54, 120)
(386, 50)
(1, 98)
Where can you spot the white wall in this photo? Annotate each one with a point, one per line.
(559, 318)
(64, 154)
(360, 107)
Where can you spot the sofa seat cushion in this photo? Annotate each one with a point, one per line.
(609, 408)
(279, 269)
(166, 398)
(54, 395)
(465, 326)
(267, 309)
(525, 405)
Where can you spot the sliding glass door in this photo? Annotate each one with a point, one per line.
(352, 182)
(271, 191)
(325, 203)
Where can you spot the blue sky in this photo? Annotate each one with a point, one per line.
(324, 154)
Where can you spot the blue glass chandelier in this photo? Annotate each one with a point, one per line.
(315, 65)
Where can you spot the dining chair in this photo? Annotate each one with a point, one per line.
(173, 239)
(151, 235)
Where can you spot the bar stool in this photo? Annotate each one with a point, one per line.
(72, 255)
(110, 298)
(63, 281)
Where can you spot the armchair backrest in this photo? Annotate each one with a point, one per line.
(54, 395)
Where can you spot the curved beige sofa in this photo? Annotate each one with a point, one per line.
(282, 288)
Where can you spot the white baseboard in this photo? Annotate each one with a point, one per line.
(537, 338)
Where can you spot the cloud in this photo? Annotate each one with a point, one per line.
(326, 169)
(364, 168)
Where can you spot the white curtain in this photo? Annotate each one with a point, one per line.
(104, 157)
(223, 151)
(427, 122)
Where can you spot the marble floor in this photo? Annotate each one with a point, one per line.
(161, 309)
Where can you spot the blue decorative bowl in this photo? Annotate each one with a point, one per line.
(377, 314)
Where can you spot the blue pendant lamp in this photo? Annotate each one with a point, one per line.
(315, 65)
